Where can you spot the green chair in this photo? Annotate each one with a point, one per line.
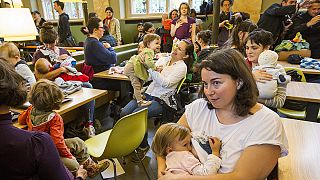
(123, 139)
(293, 113)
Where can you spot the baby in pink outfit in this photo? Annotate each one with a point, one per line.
(173, 142)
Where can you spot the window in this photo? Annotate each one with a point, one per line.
(73, 9)
(157, 7)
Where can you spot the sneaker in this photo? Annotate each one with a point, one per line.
(89, 131)
(93, 168)
(144, 103)
(141, 152)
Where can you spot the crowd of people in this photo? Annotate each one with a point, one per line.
(219, 135)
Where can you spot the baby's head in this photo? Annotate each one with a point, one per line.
(10, 52)
(171, 137)
(268, 58)
(45, 96)
(42, 65)
(152, 41)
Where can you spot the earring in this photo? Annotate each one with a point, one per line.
(240, 84)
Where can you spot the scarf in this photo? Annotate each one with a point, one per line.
(108, 20)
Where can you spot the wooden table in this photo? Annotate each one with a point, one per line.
(124, 81)
(303, 160)
(307, 92)
(304, 70)
(79, 98)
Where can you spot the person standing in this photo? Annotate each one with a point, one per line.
(308, 24)
(225, 17)
(64, 32)
(38, 20)
(113, 25)
(273, 19)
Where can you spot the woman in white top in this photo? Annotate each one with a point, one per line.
(113, 25)
(252, 135)
(164, 82)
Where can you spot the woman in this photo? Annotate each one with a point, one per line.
(259, 41)
(100, 56)
(148, 28)
(184, 27)
(31, 155)
(54, 54)
(204, 39)
(163, 82)
(239, 36)
(113, 25)
(230, 112)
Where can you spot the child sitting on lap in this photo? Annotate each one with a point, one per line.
(136, 71)
(268, 61)
(45, 96)
(172, 141)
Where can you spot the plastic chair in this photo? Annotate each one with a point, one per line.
(123, 139)
(293, 113)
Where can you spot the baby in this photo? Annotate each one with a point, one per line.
(173, 142)
(268, 61)
(43, 66)
(136, 71)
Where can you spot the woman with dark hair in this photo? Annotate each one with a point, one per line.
(183, 27)
(204, 39)
(31, 155)
(239, 36)
(113, 24)
(100, 56)
(229, 111)
(259, 41)
(163, 83)
(108, 38)
(164, 31)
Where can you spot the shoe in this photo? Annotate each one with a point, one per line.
(89, 131)
(93, 168)
(141, 152)
(144, 103)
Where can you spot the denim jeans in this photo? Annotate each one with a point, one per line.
(88, 108)
(155, 109)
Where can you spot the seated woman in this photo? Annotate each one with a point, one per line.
(239, 36)
(55, 55)
(163, 82)
(259, 41)
(229, 111)
(31, 155)
(100, 56)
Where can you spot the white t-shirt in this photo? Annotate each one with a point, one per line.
(264, 127)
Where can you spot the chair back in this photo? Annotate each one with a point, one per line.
(180, 84)
(303, 78)
(126, 135)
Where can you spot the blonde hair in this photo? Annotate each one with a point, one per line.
(165, 135)
(9, 50)
(45, 95)
(148, 38)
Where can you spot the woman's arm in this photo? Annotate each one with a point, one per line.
(247, 167)
(193, 32)
(278, 100)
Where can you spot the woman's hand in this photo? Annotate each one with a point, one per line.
(106, 45)
(262, 76)
(179, 23)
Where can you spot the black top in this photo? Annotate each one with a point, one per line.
(28, 155)
(63, 27)
(272, 19)
(310, 34)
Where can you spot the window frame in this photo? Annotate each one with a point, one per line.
(56, 19)
(130, 15)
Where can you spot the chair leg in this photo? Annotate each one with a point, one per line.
(144, 168)
(114, 168)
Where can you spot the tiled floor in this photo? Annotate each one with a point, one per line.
(133, 171)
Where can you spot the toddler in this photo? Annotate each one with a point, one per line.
(268, 61)
(45, 97)
(172, 141)
(136, 71)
